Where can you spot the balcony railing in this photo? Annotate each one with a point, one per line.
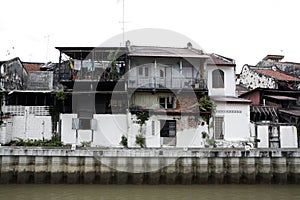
(174, 83)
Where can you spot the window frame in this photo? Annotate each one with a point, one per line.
(219, 127)
(168, 128)
(218, 78)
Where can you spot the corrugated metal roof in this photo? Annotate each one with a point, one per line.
(279, 97)
(230, 99)
(290, 112)
(32, 66)
(221, 60)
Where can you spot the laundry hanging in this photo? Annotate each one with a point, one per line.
(77, 65)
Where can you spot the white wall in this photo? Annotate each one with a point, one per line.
(108, 133)
(31, 127)
(263, 136)
(229, 81)
(288, 137)
(236, 120)
(110, 129)
(68, 135)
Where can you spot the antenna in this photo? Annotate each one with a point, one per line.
(123, 23)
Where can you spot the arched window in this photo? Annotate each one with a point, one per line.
(218, 79)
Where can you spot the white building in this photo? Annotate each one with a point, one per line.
(166, 83)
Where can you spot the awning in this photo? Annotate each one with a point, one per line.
(282, 98)
(266, 110)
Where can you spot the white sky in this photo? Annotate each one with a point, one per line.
(245, 30)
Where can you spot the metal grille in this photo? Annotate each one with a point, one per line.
(218, 128)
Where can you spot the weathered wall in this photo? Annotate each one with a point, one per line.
(149, 166)
(110, 129)
(31, 127)
(40, 80)
(236, 120)
(252, 79)
(108, 133)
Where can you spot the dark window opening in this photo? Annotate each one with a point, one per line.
(218, 79)
(167, 128)
(146, 71)
(166, 102)
(218, 128)
(140, 71)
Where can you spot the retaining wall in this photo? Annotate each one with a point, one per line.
(149, 166)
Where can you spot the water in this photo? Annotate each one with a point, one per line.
(147, 192)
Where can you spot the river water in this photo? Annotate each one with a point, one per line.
(147, 192)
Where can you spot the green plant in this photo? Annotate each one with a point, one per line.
(85, 143)
(61, 96)
(204, 134)
(206, 104)
(124, 141)
(34, 142)
(211, 141)
(112, 57)
(142, 118)
(140, 140)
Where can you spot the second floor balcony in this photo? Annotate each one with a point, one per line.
(166, 83)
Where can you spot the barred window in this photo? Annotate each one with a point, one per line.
(167, 128)
(218, 128)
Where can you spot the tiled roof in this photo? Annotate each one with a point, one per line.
(277, 74)
(32, 66)
(165, 52)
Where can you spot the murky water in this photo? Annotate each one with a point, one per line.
(145, 192)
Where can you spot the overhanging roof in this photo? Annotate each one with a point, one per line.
(282, 98)
(230, 99)
(147, 51)
(290, 112)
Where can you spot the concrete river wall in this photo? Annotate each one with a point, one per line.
(149, 166)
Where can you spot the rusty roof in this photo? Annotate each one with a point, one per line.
(30, 66)
(230, 99)
(221, 60)
(279, 75)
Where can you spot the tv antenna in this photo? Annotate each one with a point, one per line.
(123, 22)
(47, 49)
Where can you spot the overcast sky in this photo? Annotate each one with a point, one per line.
(245, 30)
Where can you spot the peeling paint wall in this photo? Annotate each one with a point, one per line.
(41, 80)
(252, 79)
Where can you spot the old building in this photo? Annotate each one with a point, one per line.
(26, 97)
(275, 95)
(111, 89)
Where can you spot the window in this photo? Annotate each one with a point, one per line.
(218, 79)
(166, 102)
(143, 71)
(146, 71)
(140, 71)
(84, 124)
(161, 73)
(167, 128)
(218, 128)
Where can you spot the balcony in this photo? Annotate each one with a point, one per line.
(164, 83)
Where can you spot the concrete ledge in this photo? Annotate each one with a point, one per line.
(149, 166)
